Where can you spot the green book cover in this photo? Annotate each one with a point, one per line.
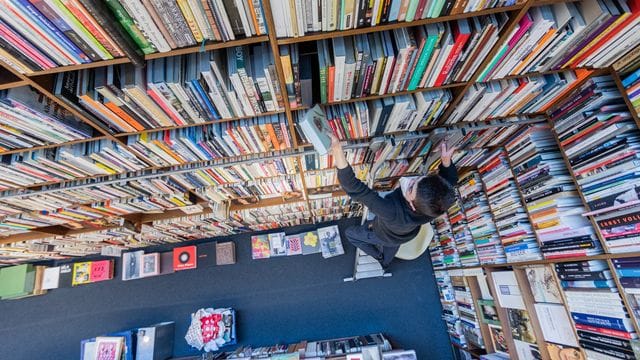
(16, 281)
(127, 23)
(435, 11)
(411, 11)
(495, 59)
(423, 60)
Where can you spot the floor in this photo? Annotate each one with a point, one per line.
(278, 300)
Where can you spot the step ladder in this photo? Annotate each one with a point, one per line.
(366, 267)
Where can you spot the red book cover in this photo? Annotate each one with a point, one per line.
(101, 270)
(331, 75)
(184, 258)
(605, 331)
(460, 37)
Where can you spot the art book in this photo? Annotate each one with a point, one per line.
(51, 278)
(543, 284)
(131, 264)
(225, 253)
(150, 264)
(330, 241)
(520, 324)
(294, 244)
(260, 247)
(277, 244)
(101, 270)
(109, 348)
(310, 243)
(81, 273)
(184, 258)
(316, 128)
(506, 285)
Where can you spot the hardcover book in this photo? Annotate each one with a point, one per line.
(330, 241)
(278, 244)
(310, 243)
(101, 270)
(131, 265)
(294, 244)
(543, 284)
(316, 128)
(81, 273)
(260, 247)
(51, 278)
(184, 258)
(206, 254)
(150, 265)
(225, 253)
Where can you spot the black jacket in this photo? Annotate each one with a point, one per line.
(395, 221)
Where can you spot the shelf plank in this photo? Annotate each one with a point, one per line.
(90, 65)
(208, 47)
(13, 84)
(395, 25)
(50, 146)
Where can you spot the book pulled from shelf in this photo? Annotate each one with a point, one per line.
(52, 165)
(504, 98)
(175, 92)
(552, 202)
(516, 233)
(214, 141)
(603, 324)
(294, 19)
(602, 144)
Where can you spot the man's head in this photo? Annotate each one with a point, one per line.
(430, 195)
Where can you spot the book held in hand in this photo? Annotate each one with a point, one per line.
(316, 129)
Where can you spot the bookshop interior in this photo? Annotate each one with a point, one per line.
(320, 179)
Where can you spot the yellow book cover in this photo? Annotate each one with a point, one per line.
(81, 273)
(191, 20)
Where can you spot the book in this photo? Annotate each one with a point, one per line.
(184, 258)
(543, 284)
(294, 244)
(225, 253)
(132, 265)
(81, 273)
(310, 243)
(330, 241)
(206, 254)
(277, 244)
(51, 278)
(315, 127)
(508, 290)
(260, 247)
(150, 265)
(101, 270)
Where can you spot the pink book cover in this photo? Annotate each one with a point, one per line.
(523, 26)
(25, 47)
(101, 270)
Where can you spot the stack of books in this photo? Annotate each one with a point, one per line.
(177, 91)
(504, 98)
(601, 142)
(628, 270)
(511, 219)
(347, 121)
(214, 141)
(445, 242)
(52, 165)
(469, 322)
(404, 59)
(604, 327)
(550, 196)
(329, 177)
(450, 313)
(478, 214)
(287, 186)
(469, 256)
(28, 119)
(293, 19)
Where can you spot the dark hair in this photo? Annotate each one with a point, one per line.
(434, 195)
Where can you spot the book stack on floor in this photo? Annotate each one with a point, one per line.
(516, 235)
(476, 208)
(469, 255)
(567, 35)
(503, 98)
(549, 194)
(294, 19)
(444, 252)
(600, 140)
(604, 326)
(469, 321)
(450, 313)
(628, 271)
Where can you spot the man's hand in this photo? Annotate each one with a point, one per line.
(446, 153)
(337, 152)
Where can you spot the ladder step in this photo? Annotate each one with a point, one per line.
(368, 274)
(366, 260)
(368, 267)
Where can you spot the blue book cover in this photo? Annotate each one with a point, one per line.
(629, 272)
(203, 98)
(629, 80)
(602, 321)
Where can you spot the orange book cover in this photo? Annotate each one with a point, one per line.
(331, 76)
(273, 137)
(106, 112)
(124, 116)
(541, 43)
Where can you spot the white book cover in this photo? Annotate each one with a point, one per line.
(330, 241)
(51, 278)
(507, 290)
(315, 127)
(555, 324)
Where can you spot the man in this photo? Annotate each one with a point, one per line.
(399, 215)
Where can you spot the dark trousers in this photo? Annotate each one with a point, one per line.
(366, 240)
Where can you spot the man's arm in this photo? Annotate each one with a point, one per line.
(355, 188)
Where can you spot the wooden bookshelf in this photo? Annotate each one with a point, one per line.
(50, 146)
(91, 65)
(208, 46)
(625, 95)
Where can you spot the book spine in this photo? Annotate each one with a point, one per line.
(131, 28)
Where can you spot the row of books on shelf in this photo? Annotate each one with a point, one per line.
(177, 91)
(273, 216)
(632, 85)
(600, 140)
(591, 33)
(398, 60)
(38, 35)
(329, 177)
(317, 162)
(294, 19)
(504, 98)
(324, 240)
